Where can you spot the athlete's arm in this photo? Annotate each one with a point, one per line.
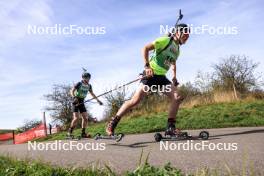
(174, 69)
(145, 51)
(95, 97)
(72, 91)
(75, 87)
(174, 78)
(75, 99)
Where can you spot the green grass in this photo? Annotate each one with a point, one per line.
(12, 167)
(236, 114)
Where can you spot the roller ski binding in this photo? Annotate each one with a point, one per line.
(70, 136)
(175, 134)
(117, 137)
(83, 135)
(203, 135)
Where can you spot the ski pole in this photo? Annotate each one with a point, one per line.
(179, 18)
(112, 103)
(175, 26)
(113, 90)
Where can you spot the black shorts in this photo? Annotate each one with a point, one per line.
(80, 108)
(158, 80)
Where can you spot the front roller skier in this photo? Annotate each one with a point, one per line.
(79, 92)
(167, 50)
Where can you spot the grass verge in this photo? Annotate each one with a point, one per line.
(13, 167)
(220, 115)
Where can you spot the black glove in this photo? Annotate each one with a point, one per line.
(100, 103)
(91, 119)
(75, 101)
(95, 120)
(175, 82)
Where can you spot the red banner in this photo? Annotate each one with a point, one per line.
(31, 134)
(6, 136)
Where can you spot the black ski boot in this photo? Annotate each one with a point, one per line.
(85, 135)
(171, 129)
(69, 134)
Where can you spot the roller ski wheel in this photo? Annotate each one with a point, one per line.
(117, 137)
(158, 137)
(204, 135)
(97, 136)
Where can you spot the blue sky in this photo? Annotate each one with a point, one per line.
(31, 64)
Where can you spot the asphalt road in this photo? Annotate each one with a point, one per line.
(244, 150)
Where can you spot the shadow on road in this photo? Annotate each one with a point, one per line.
(240, 133)
(135, 145)
(213, 137)
(143, 144)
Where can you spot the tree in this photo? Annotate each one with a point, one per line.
(28, 124)
(235, 73)
(188, 90)
(60, 104)
(114, 101)
(203, 81)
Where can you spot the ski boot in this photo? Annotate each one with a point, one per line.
(110, 130)
(85, 135)
(69, 134)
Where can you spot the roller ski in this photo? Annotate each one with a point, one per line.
(117, 137)
(110, 131)
(70, 136)
(203, 135)
(175, 134)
